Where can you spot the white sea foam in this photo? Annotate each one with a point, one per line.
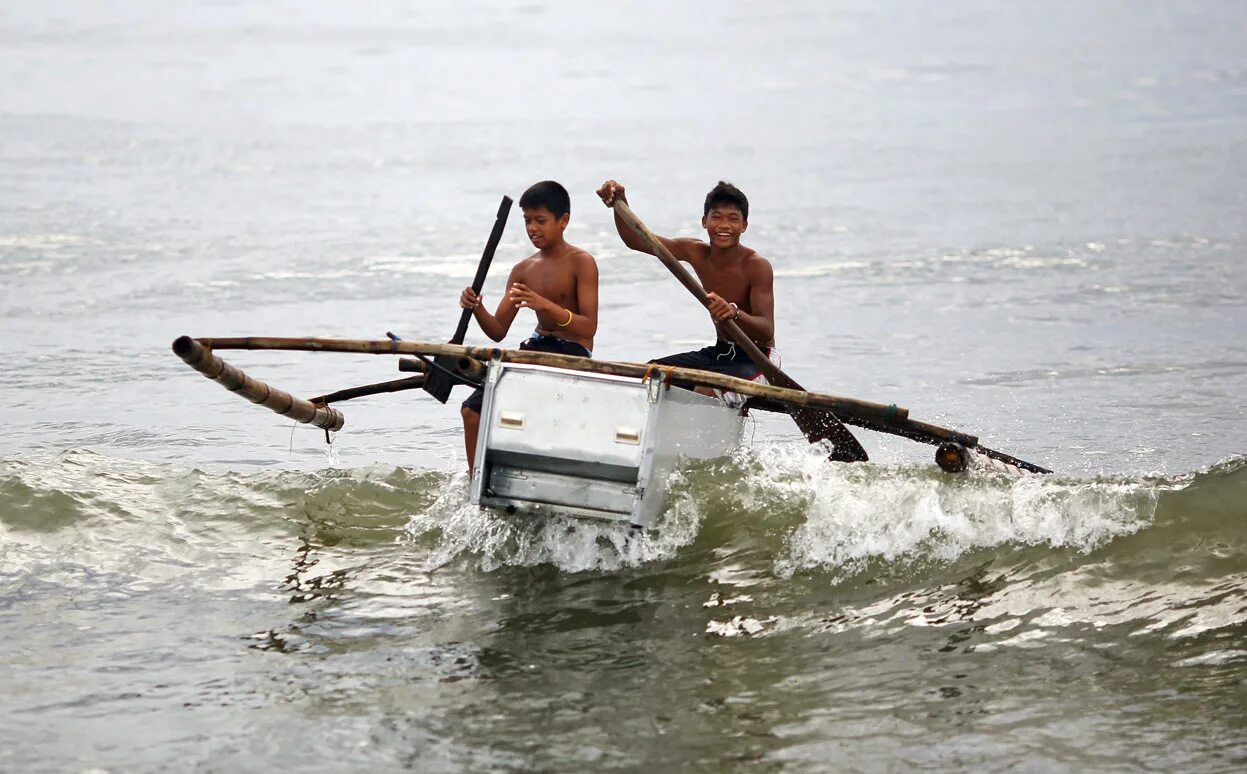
(850, 514)
(572, 545)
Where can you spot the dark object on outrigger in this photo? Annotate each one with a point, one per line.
(952, 457)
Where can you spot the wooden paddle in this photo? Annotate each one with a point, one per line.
(817, 425)
(439, 379)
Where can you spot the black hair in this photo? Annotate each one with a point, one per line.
(548, 194)
(726, 193)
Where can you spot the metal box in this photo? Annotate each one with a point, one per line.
(554, 440)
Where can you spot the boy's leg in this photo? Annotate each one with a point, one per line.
(714, 358)
(471, 413)
(471, 426)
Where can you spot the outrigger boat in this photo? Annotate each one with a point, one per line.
(581, 437)
(574, 436)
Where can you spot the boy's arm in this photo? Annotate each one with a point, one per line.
(495, 325)
(611, 192)
(759, 324)
(584, 325)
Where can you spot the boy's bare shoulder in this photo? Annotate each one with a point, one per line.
(579, 258)
(754, 264)
(753, 256)
(524, 263)
(689, 248)
(582, 257)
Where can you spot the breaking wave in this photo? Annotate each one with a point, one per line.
(800, 512)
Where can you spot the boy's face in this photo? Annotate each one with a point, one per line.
(724, 224)
(544, 229)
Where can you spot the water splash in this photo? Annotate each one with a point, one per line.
(460, 529)
(847, 515)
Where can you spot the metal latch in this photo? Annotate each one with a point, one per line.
(495, 368)
(655, 387)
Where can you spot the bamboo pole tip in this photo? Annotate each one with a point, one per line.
(182, 345)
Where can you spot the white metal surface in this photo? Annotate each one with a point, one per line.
(589, 445)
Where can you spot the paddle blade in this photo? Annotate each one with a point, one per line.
(822, 425)
(437, 381)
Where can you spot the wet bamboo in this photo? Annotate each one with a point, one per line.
(893, 420)
(471, 368)
(396, 385)
(233, 379)
(923, 433)
(878, 412)
(468, 368)
(882, 418)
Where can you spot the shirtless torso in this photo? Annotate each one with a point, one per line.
(739, 282)
(560, 278)
(739, 276)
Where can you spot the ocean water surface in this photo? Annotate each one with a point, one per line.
(1026, 223)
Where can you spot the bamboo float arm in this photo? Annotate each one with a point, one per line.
(396, 385)
(893, 420)
(936, 435)
(201, 358)
(918, 431)
(890, 419)
(886, 414)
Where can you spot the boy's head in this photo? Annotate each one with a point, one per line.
(725, 215)
(547, 209)
(548, 194)
(726, 195)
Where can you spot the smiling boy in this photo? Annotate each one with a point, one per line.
(559, 283)
(739, 282)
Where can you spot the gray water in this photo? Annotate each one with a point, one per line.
(1023, 222)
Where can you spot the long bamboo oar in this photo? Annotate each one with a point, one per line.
(816, 425)
(233, 379)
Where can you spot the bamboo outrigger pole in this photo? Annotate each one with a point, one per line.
(394, 385)
(890, 419)
(882, 414)
(883, 418)
(200, 358)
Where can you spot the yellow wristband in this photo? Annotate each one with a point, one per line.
(569, 319)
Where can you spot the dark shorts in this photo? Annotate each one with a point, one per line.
(722, 358)
(535, 343)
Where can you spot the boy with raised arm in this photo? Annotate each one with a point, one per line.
(739, 282)
(559, 283)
